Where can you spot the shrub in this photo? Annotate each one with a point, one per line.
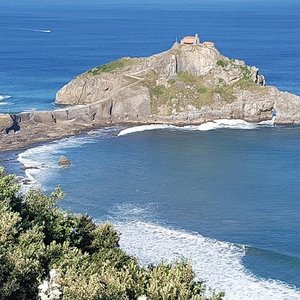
(222, 63)
(83, 259)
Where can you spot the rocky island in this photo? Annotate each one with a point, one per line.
(191, 83)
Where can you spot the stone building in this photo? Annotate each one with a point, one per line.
(191, 40)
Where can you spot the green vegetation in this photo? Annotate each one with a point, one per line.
(187, 90)
(160, 96)
(226, 92)
(189, 79)
(112, 66)
(202, 90)
(246, 74)
(222, 63)
(84, 260)
(158, 90)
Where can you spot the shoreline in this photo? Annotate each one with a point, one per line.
(20, 146)
(31, 135)
(20, 140)
(129, 127)
(176, 236)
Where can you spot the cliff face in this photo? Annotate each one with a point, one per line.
(188, 84)
(185, 83)
(173, 83)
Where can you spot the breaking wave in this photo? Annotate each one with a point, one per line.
(145, 128)
(33, 30)
(218, 263)
(41, 162)
(42, 30)
(223, 123)
(4, 97)
(213, 125)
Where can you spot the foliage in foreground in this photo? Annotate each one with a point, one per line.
(84, 260)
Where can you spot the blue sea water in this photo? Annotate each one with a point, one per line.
(35, 64)
(227, 199)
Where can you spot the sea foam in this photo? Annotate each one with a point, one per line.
(41, 162)
(145, 128)
(223, 123)
(218, 263)
(42, 30)
(33, 30)
(213, 125)
(4, 97)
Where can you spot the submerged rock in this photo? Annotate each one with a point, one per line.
(30, 168)
(26, 181)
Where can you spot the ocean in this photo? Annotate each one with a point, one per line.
(223, 195)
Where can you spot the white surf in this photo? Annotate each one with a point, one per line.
(213, 125)
(42, 30)
(4, 97)
(145, 128)
(41, 162)
(33, 30)
(218, 263)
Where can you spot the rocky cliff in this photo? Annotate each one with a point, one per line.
(174, 83)
(186, 84)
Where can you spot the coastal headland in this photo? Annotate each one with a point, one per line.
(191, 83)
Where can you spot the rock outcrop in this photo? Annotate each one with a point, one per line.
(161, 85)
(188, 84)
(5, 122)
(64, 161)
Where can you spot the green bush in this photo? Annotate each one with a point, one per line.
(84, 260)
(222, 63)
